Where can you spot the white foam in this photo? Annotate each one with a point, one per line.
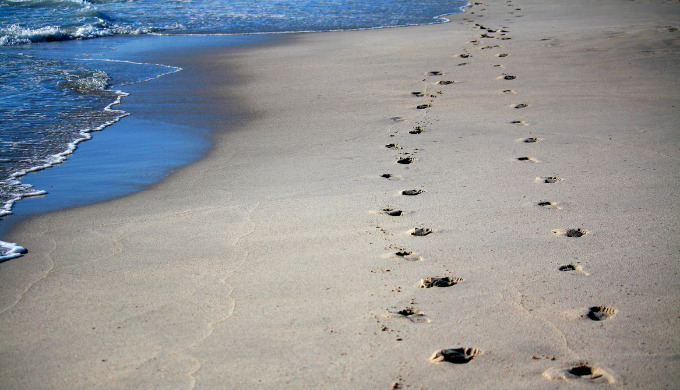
(11, 251)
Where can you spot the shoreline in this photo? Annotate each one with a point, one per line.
(288, 271)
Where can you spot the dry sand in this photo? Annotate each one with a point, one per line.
(270, 264)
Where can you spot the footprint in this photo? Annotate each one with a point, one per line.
(412, 192)
(390, 176)
(509, 92)
(418, 94)
(393, 146)
(417, 130)
(548, 179)
(456, 355)
(502, 55)
(439, 282)
(574, 233)
(407, 255)
(509, 77)
(521, 105)
(531, 140)
(548, 204)
(601, 313)
(424, 106)
(391, 212)
(464, 55)
(521, 123)
(407, 160)
(579, 371)
(446, 82)
(421, 232)
(435, 73)
(409, 313)
(527, 159)
(573, 268)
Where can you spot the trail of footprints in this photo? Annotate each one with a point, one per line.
(569, 371)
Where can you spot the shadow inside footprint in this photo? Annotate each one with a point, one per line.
(456, 355)
(582, 371)
(439, 282)
(411, 314)
(391, 212)
(393, 146)
(435, 73)
(548, 179)
(509, 77)
(412, 192)
(418, 94)
(417, 130)
(406, 160)
(446, 82)
(531, 140)
(424, 106)
(421, 232)
(601, 313)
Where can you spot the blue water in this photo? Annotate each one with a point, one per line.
(64, 73)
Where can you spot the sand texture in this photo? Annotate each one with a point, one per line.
(488, 203)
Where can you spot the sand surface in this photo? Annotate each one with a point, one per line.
(272, 263)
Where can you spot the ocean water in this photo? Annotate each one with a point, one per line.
(62, 78)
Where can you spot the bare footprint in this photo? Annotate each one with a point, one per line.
(412, 192)
(601, 313)
(456, 355)
(390, 176)
(527, 159)
(406, 160)
(508, 77)
(435, 73)
(418, 94)
(548, 204)
(579, 371)
(521, 105)
(548, 179)
(423, 106)
(531, 140)
(406, 255)
(391, 212)
(573, 233)
(393, 146)
(409, 313)
(417, 130)
(509, 92)
(421, 232)
(446, 82)
(502, 55)
(439, 282)
(521, 123)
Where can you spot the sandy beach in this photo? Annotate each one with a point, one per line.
(489, 203)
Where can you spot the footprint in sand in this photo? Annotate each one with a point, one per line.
(502, 55)
(418, 94)
(391, 212)
(573, 233)
(412, 192)
(548, 204)
(402, 253)
(446, 281)
(579, 371)
(527, 159)
(521, 105)
(417, 130)
(456, 355)
(531, 140)
(601, 313)
(508, 77)
(409, 313)
(393, 146)
(390, 176)
(423, 106)
(446, 82)
(548, 179)
(520, 123)
(573, 268)
(435, 73)
(406, 160)
(421, 232)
